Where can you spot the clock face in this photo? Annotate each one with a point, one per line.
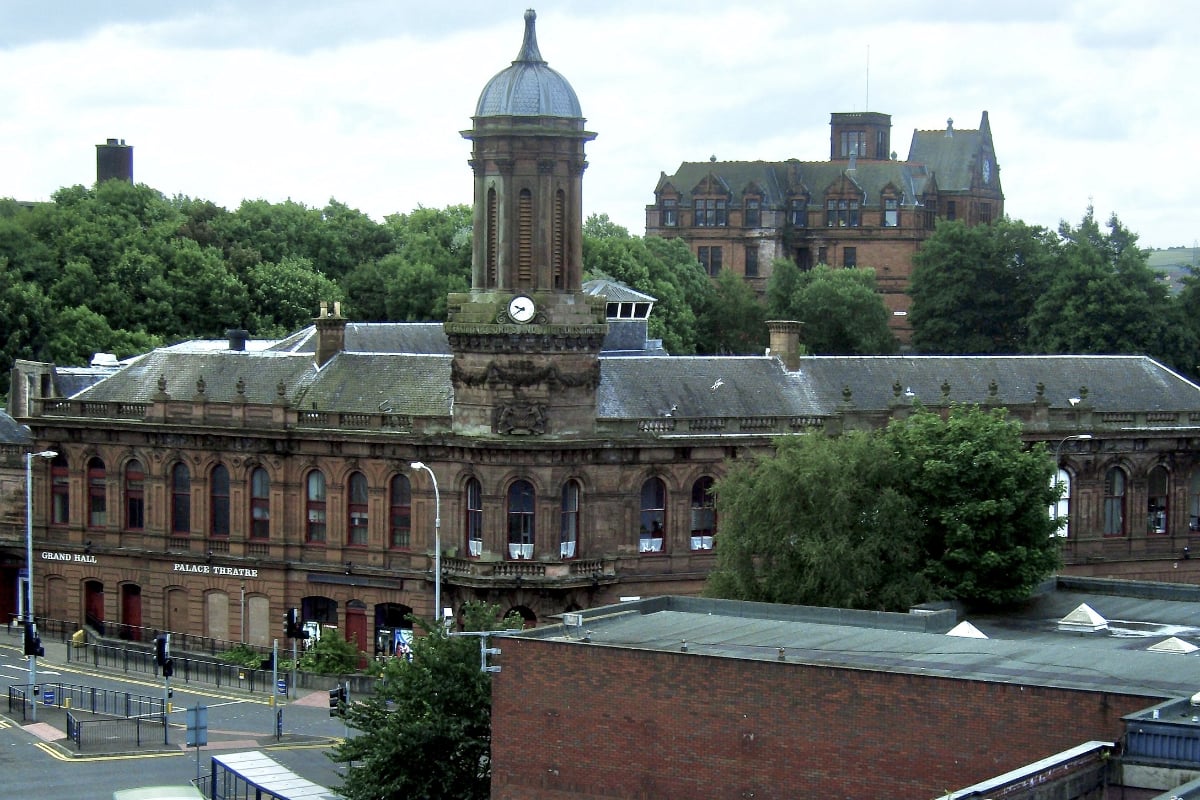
(521, 308)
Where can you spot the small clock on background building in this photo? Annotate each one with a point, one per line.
(521, 308)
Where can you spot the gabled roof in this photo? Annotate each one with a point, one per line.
(950, 157)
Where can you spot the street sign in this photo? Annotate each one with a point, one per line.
(281, 687)
(197, 726)
(48, 697)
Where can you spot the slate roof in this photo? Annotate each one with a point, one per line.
(1114, 383)
(13, 432)
(1035, 654)
(427, 338)
(778, 182)
(951, 158)
(404, 368)
(528, 88)
(701, 386)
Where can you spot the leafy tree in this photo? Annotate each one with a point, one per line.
(1104, 298)
(822, 522)
(330, 655)
(983, 498)
(973, 287)
(426, 730)
(842, 312)
(929, 508)
(76, 334)
(733, 319)
(284, 296)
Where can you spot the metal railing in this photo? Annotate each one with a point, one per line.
(87, 733)
(186, 669)
(91, 699)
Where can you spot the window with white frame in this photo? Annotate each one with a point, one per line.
(520, 520)
(1114, 502)
(704, 514)
(568, 540)
(1060, 509)
(1156, 500)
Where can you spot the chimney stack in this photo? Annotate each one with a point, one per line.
(114, 160)
(331, 333)
(785, 342)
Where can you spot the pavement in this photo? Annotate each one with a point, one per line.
(51, 727)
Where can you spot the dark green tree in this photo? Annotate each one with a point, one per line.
(733, 321)
(842, 312)
(973, 287)
(983, 498)
(824, 521)
(285, 296)
(425, 733)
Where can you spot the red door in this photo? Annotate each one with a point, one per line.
(93, 605)
(131, 612)
(356, 629)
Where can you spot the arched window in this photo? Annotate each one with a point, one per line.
(181, 500)
(314, 507)
(653, 517)
(97, 490)
(474, 520)
(520, 520)
(492, 241)
(356, 511)
(568, 540)
(1194, 501)
(135, 496)
(524, 276)
(1114, 502)
(218, 493)
(260, 504)
(1156, 500)
(1060, 509)
(704, 514)
(400, 501)
(60, 491)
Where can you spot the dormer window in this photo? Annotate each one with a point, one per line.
(798, 213)
(841, 214)
(711, 213)
(753, 212)
(670, 212)
(891, 212)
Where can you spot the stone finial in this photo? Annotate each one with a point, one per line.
(897, 389)
(280, 389)
(945, 388)
(162, 383)
(200, 385)
(993, 388)
(1083, 392)
(1041, 389)
(847, 394)
(241, 385)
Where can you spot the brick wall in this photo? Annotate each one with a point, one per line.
(573, 720)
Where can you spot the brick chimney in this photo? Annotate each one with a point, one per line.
(331, 333)
(785, 342)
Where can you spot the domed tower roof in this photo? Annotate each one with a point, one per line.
(528, 88)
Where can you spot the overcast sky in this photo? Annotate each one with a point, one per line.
(364, 100)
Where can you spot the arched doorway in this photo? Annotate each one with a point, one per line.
(393, 629)
(529, 619)
(131, 612)
(93, 605)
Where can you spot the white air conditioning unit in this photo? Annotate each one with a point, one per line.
(573, 620)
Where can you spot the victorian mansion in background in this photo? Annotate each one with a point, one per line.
(561, 458)
(861, 208)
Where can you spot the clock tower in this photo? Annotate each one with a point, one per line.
(526, 339)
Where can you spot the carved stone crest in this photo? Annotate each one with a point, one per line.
(520, 419)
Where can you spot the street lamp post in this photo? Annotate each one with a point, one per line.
(437, 541)
(29, 617)
(1078, 437)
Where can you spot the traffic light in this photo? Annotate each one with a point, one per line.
(162, 649)
(292, 629)
(337, 701)
(33, 642)
(168, 668)
(289, 624)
